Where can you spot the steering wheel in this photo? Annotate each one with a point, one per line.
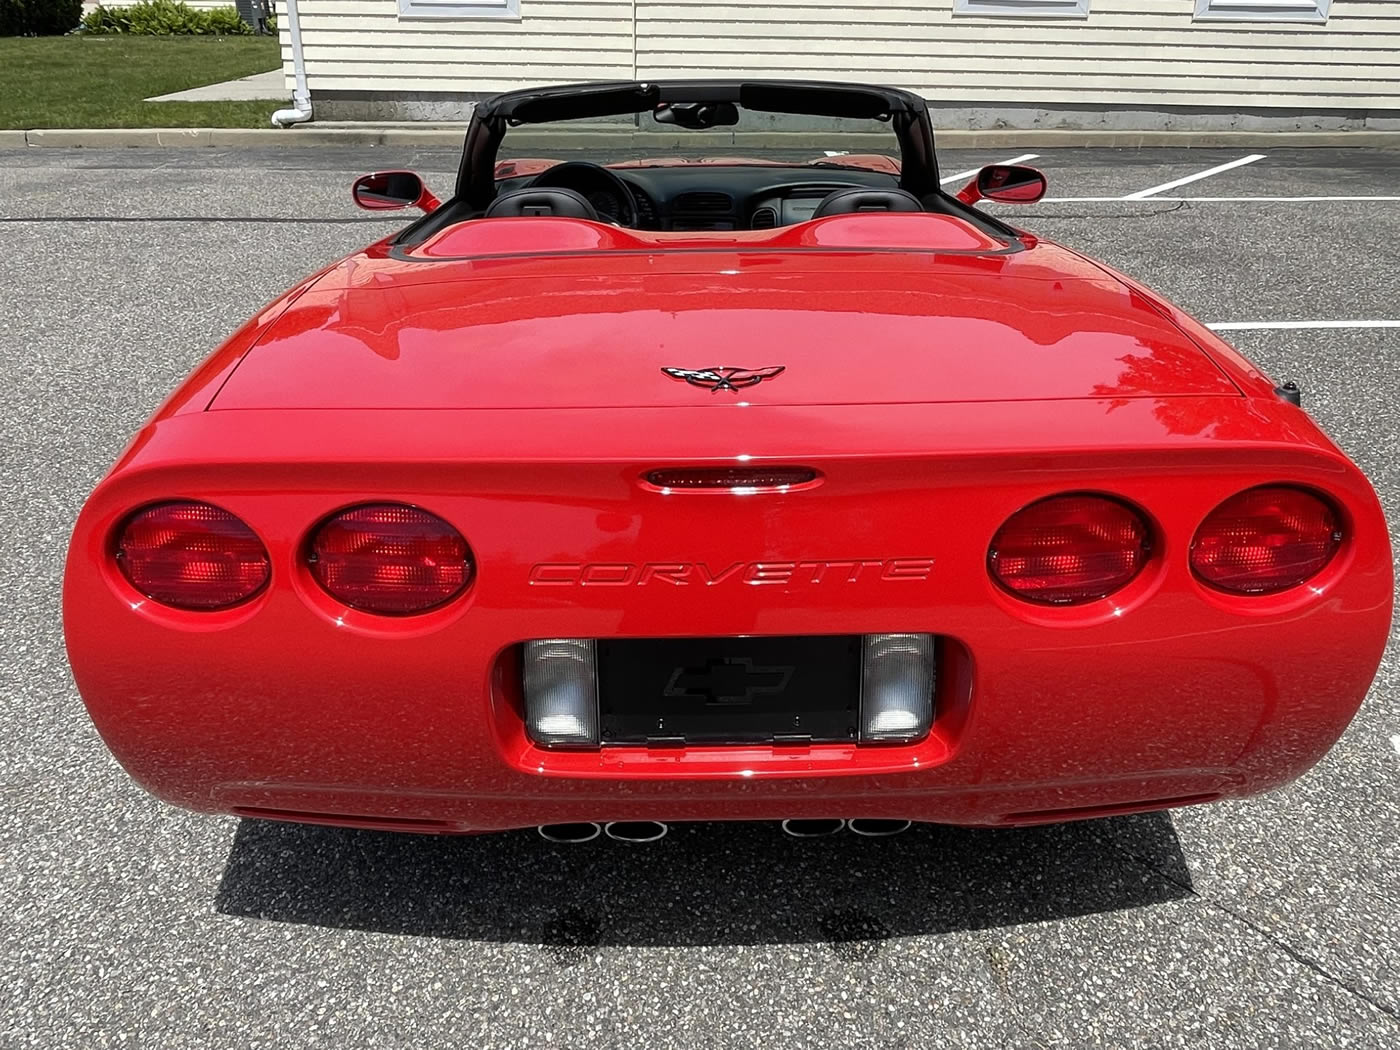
(608, 194)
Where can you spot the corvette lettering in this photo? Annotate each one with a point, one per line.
(754, 573)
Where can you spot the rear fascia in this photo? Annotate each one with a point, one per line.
(293, 703)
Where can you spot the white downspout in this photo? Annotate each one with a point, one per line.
(301, 96)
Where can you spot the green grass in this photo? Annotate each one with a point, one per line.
(100, 81)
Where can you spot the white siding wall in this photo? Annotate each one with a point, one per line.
(1129, 52)
(1126, 51)
(363, 45)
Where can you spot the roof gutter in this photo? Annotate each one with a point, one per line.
(300, 112)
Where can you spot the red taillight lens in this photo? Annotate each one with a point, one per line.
(390, 558)
(1071, 549)
(192, 556)
(1266, 540)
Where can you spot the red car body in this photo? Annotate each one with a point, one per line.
(506, 375)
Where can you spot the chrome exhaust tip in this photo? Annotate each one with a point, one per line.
(812, 829)
(572, 833)
(872, 828)
(635, 830)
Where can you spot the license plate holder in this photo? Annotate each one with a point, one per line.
(677, 691)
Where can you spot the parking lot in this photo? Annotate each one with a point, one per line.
(1271, 922)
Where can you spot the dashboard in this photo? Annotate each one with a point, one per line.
(706, 197)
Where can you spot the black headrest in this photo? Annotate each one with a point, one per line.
(858, 198)
(546, 200)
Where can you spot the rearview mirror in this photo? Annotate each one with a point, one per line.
(697, 115)
(1007, 183)
(392, 190)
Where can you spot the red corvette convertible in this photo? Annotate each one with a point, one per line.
(604, 496)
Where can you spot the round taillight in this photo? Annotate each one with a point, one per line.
(1266, 540)
(1070, 549)
(390, 558)
(192, 556)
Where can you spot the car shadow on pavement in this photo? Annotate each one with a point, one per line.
(703, 884)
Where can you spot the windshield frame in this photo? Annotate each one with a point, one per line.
(906, 113)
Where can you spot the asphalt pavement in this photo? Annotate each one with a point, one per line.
(1271, 922)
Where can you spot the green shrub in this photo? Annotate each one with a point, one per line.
(165, 18)
(103, 20)
(225, 22)
(39, 17)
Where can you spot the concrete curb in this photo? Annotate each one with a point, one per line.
(116, 138)
(329, 134)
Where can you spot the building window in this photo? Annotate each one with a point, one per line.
(1023, 8)
(1314, 11)
(459, 9)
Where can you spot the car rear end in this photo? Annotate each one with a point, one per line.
(971, 612)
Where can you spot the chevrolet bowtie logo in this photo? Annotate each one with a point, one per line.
(728, 681)
(717, 379)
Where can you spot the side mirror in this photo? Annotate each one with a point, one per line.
(392, 190)
(1007, 183)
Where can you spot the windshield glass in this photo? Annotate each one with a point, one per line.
(639, 140)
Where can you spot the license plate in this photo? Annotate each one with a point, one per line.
(729, 690)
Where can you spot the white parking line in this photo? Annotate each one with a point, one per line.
(968, 174)
(1395, 743)
(1247, 326)
(1143, 194)
(1213, 200)
(1236, 200)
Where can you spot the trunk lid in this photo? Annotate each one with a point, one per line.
(596, 330)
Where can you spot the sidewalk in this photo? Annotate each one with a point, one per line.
(271, 85)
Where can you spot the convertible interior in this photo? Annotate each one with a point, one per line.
(671, 194)
(733, 196)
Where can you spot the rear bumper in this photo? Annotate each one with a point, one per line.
(293, 706)
(286, 715)
(426, 733)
